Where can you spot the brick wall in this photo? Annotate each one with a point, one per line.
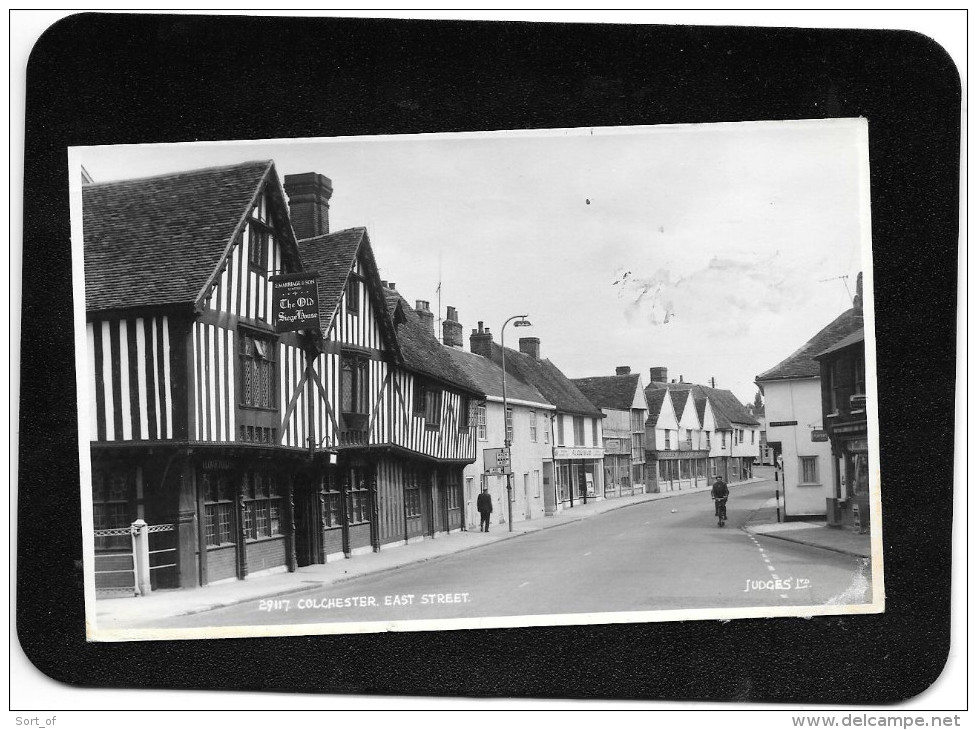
(221, 563)
(359, 536)
(332, 540)
(265, 554)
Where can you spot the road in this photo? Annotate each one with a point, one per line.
(664, 554)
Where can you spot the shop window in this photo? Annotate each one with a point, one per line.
(533, 434)
(453, 496)
(354, 392)
(218, 490)
(482, 431)
(257, 370)
(578, 430)
(262, 506)
(809, 470)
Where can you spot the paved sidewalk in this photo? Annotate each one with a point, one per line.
(130, 611)
(815, 534)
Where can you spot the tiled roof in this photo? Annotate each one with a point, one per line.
(679, 399)
(655, 398)
(488, 376)
(332, 256)
(801, 363)
(421, 351)
(726, 408)
(556, 387)
(609, 391)
(853, 339)
(158, 240)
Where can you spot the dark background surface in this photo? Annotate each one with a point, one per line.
(109, 79)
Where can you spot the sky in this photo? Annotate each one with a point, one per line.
(713, 250)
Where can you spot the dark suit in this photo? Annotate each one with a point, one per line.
(484, 506)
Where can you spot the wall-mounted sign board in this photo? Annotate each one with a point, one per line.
(295, 301)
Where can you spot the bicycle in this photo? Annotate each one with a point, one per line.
(721, 509)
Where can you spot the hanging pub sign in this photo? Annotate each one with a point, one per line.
(818, 434)
(295, 301)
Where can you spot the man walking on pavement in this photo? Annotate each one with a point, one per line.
(484, 506)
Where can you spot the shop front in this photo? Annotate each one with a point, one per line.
(579, 475)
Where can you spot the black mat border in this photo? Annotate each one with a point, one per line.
(108, 79)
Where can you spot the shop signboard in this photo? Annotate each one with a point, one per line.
(818, 434)
(295, 301)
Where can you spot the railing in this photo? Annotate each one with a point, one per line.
(115, 568)
(134, 559)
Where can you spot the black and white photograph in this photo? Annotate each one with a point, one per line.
(476, 380)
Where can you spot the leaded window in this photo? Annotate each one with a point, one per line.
(354, 384)
(262, 506)
(358, 496)
(257, 371)
(217, 488)
(482, 431)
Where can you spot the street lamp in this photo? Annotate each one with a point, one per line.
(522, 322)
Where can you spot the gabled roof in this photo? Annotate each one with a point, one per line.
(422, 353)
(726, 408)
(158, 241)
(609, 391)
(679, 399)
(556, 387)
(488, 376)
(655, 398)
(853, 339)
(801, 363)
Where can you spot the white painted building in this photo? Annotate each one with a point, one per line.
(795, 429)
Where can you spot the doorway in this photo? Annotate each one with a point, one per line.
(307, 532)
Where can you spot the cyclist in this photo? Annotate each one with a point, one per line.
(719, 490)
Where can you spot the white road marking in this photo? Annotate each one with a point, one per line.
(586, 554)
(523, 585)
(783, 595)
(771, 568)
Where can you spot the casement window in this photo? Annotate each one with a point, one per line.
(259, 237)
(419, 390)
(688, 436)
(218, 490)
(708, 440)
(358, 496)
(809, 470)
(432, 407)
(453, 496)
(112, 493)
(257, 355)
(354, 384)
(593, 432)
(723, 435)
(637, 420)
(715, 467)
(533, 434)
(259, 434)
(858, 376)
(508, 426)
(412, 494)
(352, 294)
(559, 431)
(546, 429)
(482, 430)
(332, 514)
(262, 506)
(464, 413)
(637, 447)
(752, 437)
(668, 438)
(578, 430)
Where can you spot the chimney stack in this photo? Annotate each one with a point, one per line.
(659, 375)
(529, 346)
(452, 333)
(712, 383)
(481, 341)
(857, 301)
(681, 378)
(391, 286)
(308, 203)
(424, 313)
(622, 370)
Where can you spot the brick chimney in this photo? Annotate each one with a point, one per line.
(712, 383)
(622, 370)
(425, 314)
(452, 333)
(480, 341)
(659, 375)
(529, 346)
(308, 203)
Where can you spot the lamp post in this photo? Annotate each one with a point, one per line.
(522, 322)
